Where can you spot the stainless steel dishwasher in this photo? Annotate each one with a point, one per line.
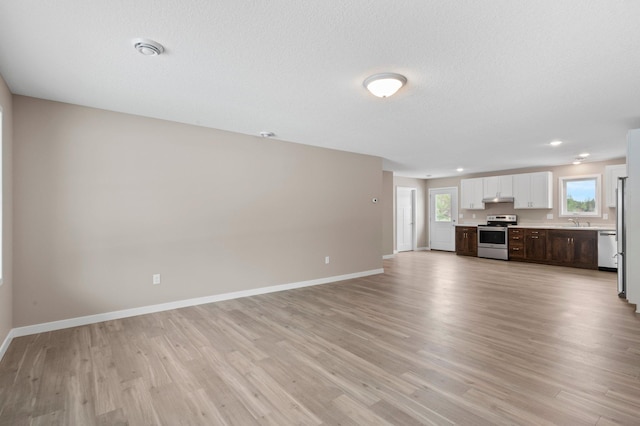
(607, 249)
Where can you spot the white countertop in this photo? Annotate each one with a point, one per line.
(552, 226)
(568, 227)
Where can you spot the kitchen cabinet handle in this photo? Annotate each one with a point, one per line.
(534, 236)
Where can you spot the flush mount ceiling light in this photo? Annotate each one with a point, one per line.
(584, 155)
(555, 143)
(147, 47)
(459, 169)
(385, 84)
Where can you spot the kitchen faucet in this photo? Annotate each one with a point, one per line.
(576, 222)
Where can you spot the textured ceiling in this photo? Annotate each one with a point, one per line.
(491, 82)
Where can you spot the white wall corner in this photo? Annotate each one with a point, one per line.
(6, 343)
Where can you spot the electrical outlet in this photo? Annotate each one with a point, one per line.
(605, 216)
(549, 216)
(473, 216)
(326, 260)
(156, 279)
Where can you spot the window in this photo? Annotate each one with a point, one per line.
(579, 195)
(443, 207)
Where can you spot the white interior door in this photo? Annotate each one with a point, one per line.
(443, 214)
(405, 219)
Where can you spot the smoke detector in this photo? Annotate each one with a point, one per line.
(147, 47)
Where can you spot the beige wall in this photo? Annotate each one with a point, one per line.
(6, 297)
(104, 200)
(387, 213)
(421, 208)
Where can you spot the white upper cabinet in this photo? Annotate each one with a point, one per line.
(472, 194)
(611, 175)
(533, 190)
(498, 186)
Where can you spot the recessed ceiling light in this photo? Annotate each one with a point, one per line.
(555, 143)
(267, 134)
(148, 47)
(584, 155)
(385, 84)
(577, 162)
(459, 169)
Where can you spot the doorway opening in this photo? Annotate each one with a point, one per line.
(405, 219)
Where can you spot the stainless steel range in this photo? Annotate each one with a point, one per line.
(493, 237)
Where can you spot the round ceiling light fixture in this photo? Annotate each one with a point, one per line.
(148, 47)
(385, 84)
(555, 143)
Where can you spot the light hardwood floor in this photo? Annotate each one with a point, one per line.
(436, 339)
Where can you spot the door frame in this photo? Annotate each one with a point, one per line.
(414, 230)
(454, 215)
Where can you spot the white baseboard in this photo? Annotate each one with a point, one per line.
(388, 256)
(91, 319)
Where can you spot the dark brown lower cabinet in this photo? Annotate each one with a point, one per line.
(516, 244)
(535, 244)
(467, 240)
(573, 248)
